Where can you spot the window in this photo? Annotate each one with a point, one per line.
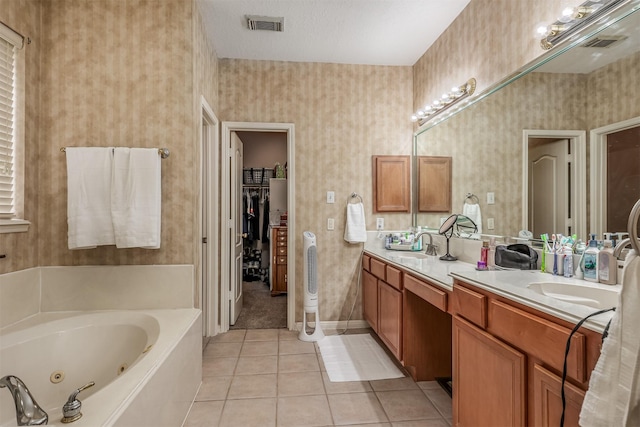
(9, 43)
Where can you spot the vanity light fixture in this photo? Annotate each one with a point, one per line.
(447, 100)
(572, 19)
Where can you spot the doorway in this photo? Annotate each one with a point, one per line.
(250, 189)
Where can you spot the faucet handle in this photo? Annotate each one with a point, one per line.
(71, 409)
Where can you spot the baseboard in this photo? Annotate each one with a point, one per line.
(337, 325)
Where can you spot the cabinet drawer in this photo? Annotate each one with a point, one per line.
(281, 232)
(539, 338)
(394, 277)
(282, 243)
(281, 250)
(378, 269)
(281, 260)
(281, 238)
(431, 294)
(470, 305)
(365, 262)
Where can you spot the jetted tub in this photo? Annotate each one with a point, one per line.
(146, 365)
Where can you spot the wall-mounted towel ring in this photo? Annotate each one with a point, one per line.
(354, 196)
(472, 198)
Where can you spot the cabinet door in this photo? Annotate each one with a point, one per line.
(391, 183)
(547, 399)
(280, 285)
(434, 184)
(370, 299)
(488, 379)
(390, 318)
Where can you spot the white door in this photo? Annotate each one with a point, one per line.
(236, 208)
(549, 180)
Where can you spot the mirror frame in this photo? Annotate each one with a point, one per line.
(618, 13)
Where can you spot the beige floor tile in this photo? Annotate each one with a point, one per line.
(236, 335)
(304, 411)
(422, 423)
(223, 349)
(204, 414)
(214, 388)
(405, 383)
(253, 386)
(298, 363)
(345, 386)
(262, 335)
(321, 362)
(300, 383)
(407, 405)
(249, 413)
(296, 347)
(259, 348)
(354, 408)
(218, 366)
(257, 365)
(371, 425)
(441, 400)
(428, 385)
(287, 335)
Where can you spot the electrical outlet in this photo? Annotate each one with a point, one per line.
(490, 224)
(379, 223)
(331, 197)
(491, 198)
(331, 224)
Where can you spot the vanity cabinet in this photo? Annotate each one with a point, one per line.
(391, 183)
(508, 361)
(278, 260)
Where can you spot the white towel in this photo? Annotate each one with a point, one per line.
(355, 230)
(613, 398)
(89, 197)
(136, 197)
(473, 212)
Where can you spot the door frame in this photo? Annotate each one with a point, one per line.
(208, 267)
(578, 141)
(598, 167)
(227, 128)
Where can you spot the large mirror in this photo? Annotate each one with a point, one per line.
(544, 144)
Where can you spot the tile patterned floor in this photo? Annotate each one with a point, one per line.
(266, 377)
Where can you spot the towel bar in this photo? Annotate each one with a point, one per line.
(353, 196)
(163, 152)
(472, 197)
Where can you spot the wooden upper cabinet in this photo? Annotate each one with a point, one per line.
(392, 183)
(434, 184)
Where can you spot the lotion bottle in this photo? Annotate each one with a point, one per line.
(590, 262)
(607, 265)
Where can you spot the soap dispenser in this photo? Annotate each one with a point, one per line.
(607, 265)
(590, 261)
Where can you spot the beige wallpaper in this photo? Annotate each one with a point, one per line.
(21, 248)
(343, 114)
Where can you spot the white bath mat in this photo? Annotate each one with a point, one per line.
(356, 358)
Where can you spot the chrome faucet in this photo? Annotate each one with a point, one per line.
(620, 246)
(431, 248)
(28, 413)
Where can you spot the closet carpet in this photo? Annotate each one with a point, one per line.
(259, 309)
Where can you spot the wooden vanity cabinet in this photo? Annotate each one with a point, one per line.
(508, 361)
(279, 260)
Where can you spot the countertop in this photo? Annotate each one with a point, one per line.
(508, 284)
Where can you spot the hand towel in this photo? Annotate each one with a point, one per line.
(613, 397)
(89, 197)
(472, 210)
(355, 230)
(136, 197)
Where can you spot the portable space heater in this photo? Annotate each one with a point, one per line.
(310, 289)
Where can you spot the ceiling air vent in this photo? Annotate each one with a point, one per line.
(267, 23)
(604, 41)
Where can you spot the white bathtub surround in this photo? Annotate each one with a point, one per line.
(155, 389)
(124, 287)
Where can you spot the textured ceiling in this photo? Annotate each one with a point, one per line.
(375, 32)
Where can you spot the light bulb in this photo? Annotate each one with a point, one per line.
(414, 118)
(420, 113)
(567, 15)
(542, 30)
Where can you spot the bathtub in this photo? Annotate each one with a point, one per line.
(146, 365)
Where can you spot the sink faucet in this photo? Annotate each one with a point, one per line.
(431, 248)
(28, 413)
(620, 246)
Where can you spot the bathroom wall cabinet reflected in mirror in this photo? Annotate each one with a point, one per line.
(434, 183)
(582, 95)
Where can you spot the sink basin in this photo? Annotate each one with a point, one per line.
(590, 296)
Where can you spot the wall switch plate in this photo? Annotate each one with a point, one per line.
(490, 224)
(331, 224)
(491, 198)
(379, 223)
(331, 197)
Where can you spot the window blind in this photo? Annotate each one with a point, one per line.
(7, 121)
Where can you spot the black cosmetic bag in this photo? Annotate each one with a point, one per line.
(519, 256)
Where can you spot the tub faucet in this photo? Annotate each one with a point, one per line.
(431, 248)
(28, 413)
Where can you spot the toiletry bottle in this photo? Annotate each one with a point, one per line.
(491, 256)
(484, 252)
(568, 262)
(590, 261)
(607, 265)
